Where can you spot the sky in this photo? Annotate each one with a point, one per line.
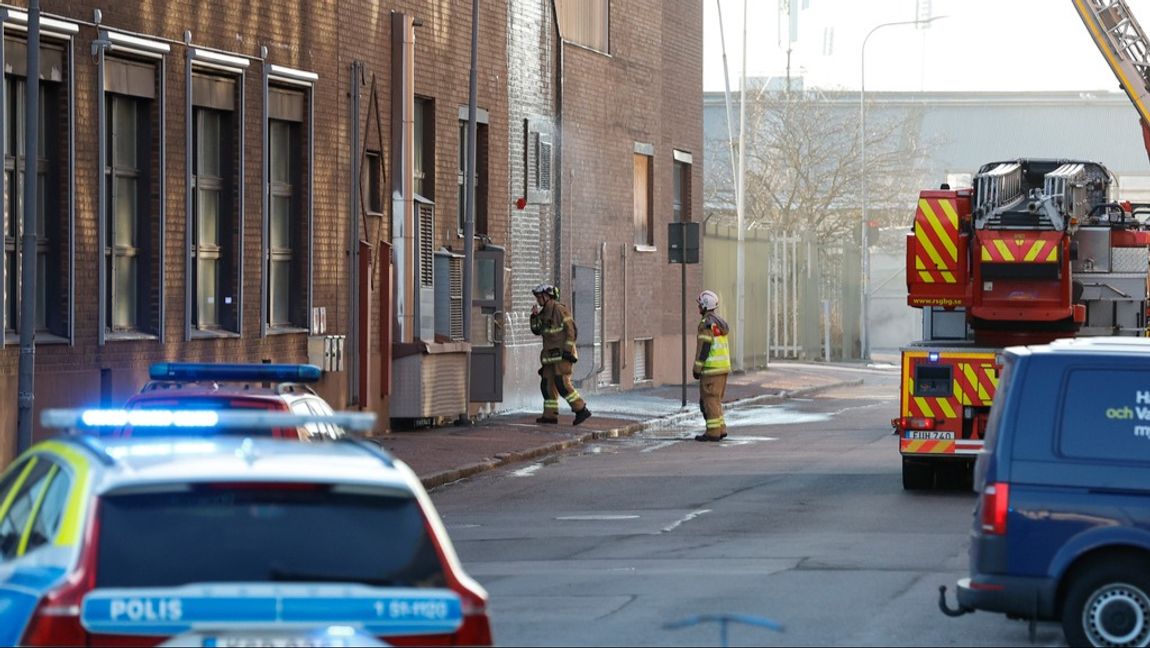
(980, 45)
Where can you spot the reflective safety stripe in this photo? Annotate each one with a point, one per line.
(715, 423)
(554, 360)
(719, 359)
(70, 524)
(573, 396)
(706, 338)
(36, 510)
(16, 488)
(553, 329)
(571, 343)
(551, 403)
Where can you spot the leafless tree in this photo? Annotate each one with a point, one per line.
(803, 164)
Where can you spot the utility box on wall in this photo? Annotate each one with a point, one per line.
(326, 351)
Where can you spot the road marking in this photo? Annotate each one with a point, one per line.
(595, 518)
(660, 446)
(528, 471)
(686, 518)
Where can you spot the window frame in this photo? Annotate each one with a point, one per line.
(233, 68)
(57, 34)
(644, 239)
(130, 49)
(276, 77)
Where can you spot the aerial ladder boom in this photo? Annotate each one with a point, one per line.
(1126, 49)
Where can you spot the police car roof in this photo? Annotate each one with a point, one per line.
(156, 460)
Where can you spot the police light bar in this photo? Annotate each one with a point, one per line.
(303, 373)
(155, 419)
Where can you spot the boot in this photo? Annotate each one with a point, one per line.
(582, 415)
(548, 421)
(707, 437)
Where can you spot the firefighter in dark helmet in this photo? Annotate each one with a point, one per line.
(712, 364)
(553, 321)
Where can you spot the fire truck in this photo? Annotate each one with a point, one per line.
(1035, 250)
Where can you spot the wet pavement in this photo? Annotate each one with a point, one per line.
(445, 454)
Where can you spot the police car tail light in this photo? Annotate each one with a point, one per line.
(476, 628)
(56, 621)
(995, 506)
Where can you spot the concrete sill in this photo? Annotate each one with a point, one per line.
(285, 330)
(646, 248)
(13, 339)
(202, 334)
(130, 336)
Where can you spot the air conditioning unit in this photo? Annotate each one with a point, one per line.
(449, 295)
(424, 269)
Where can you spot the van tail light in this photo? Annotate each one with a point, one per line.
(995, 506)
(56, 621)
(918, 423)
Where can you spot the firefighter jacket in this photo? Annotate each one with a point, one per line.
(555, 324)
(712, 353)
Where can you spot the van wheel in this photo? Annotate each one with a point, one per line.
(917, 475)
(1108, 605)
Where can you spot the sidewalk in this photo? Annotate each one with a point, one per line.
(446, 454)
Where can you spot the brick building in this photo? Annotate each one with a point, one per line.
(265, 181)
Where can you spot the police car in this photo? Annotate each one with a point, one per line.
(224, 540)
(271, 387)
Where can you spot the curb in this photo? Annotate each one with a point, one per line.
(445, 477)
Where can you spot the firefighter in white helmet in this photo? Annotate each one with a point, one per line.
(712, 364)
(553, 321)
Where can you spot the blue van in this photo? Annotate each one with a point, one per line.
(1062, 526)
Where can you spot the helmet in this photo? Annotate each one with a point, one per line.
(545, 289)
(708, 300)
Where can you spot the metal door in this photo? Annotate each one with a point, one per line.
(487, 326)
(583, 310)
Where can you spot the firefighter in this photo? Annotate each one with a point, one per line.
(712, 364)
(553, 321)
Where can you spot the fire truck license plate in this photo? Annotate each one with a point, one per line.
(932, 435)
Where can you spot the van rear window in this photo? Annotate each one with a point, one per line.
(226, 533)
(1106, 415)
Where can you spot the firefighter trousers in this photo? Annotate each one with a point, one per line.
(711, 389)
(555, 382)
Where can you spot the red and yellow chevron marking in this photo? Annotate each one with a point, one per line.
(982, 364)
(936, 231)
(932, 407)
(924, 446)
(975, 384)
(1020, 247)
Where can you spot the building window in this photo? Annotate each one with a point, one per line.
(586, 22)
(128, 253)
(213, 250)
(51, 229)
(644, 208)
(284, 223)
(681, 192)
(480, 174)
(373, 185)
(214, 227)
(424, 141)
(644, 356)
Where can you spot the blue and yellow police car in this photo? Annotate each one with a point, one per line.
(218, 540)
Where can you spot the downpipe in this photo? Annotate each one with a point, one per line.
(945, 607)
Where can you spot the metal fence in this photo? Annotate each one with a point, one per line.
(802, 296)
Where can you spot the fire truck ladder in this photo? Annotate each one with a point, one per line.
(1124, 46)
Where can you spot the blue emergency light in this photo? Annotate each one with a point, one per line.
(231, 419)
(300, 373)
(932, 356)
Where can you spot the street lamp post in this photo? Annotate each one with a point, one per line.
(864, 331)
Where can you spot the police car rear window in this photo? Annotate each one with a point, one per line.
(265, 533)
(1106, 415)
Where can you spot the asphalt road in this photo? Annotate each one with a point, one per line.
(799, 517)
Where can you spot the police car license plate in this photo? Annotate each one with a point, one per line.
(249, 641)
(932, 435)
